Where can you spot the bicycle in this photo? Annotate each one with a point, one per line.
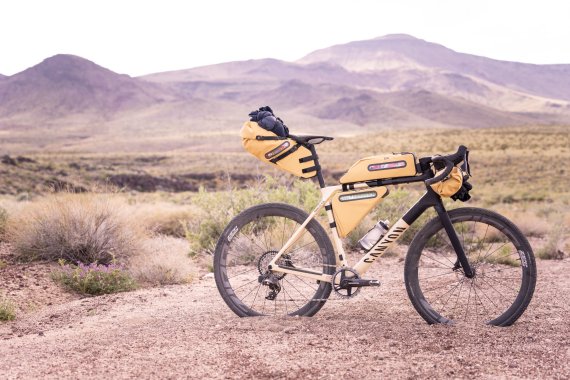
(468, 264)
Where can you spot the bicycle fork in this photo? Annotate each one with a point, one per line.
(454, 239)
(429, 199)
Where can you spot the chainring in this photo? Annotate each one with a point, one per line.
(336, 279)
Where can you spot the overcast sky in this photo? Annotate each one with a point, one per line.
(141, 37)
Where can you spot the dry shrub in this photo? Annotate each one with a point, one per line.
(552, 249)
(3, 222)
(162, 261)
(530, 224)
(166, 218)
(84, 228)
(7, 310)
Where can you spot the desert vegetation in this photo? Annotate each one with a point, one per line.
(148, 230)
(94, 279)
(7, 310)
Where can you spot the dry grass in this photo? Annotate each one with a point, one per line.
(553, 248)
(3, 222)
(167, 218)
(84, 228)
(516, 171)
(163, 261)
(7, 310)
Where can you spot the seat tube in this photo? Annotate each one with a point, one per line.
(454, 239)
(319, 172)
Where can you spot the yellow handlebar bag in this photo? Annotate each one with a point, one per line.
(449, 185)
(283, 152)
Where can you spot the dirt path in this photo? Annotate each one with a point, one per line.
(188, 332)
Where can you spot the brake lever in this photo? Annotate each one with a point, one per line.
(448, 168)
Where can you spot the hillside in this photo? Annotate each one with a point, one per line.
(65, 85)
(403, 52)
(396, 81)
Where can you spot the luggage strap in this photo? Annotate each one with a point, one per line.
(312, 169)
(290, 151)
(261, 138)
(302, 160)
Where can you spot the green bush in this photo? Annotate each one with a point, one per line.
(94, 279)
(7, 310)
(220, 207)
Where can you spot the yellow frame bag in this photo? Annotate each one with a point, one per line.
(285, 153)
(350, 207)
(380, 167)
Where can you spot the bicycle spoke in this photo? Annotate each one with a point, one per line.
(437, 275)
(487, 296)
(252, 248)
(254, 298)
(298, 291)
(437, 261)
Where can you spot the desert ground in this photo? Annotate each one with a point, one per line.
(186, 331)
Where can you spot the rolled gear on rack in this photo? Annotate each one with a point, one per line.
(265, 137)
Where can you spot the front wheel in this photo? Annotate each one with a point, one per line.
(247, 246)
(503, 261)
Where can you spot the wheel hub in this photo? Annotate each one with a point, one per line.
(265, 259)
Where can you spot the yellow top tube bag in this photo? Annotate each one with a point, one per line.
(450, 185)
(285, 153)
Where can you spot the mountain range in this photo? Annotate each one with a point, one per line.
(395, 81)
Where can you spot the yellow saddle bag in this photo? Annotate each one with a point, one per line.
(449, 185)
(283, 152)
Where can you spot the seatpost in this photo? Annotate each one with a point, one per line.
(318, 166)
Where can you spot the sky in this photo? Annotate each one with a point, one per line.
(138, 37)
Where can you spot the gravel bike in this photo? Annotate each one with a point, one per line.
(467, 264)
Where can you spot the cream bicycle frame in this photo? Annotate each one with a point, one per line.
(365, 262)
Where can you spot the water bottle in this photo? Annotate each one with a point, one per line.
(374, 235)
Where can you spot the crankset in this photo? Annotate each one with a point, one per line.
(347, 283)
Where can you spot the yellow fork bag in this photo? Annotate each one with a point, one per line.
(451, 184)
(350, 207)
(283, 152)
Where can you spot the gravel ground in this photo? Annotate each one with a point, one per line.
(187, 331)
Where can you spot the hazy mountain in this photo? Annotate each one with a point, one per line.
(65, 85)
(396, 81)
(502, 92)
(405, 52)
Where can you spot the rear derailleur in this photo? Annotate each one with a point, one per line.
(272, 282)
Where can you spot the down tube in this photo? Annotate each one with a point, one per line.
(383, 244)
(428, 200)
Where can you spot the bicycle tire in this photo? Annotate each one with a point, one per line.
(242, 238)
(514, 263)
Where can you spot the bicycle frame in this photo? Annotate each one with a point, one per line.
(429, 199)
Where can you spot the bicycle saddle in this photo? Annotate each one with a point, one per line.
(310, 139)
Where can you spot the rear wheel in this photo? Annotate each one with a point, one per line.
(250, 242)
(505, 270)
